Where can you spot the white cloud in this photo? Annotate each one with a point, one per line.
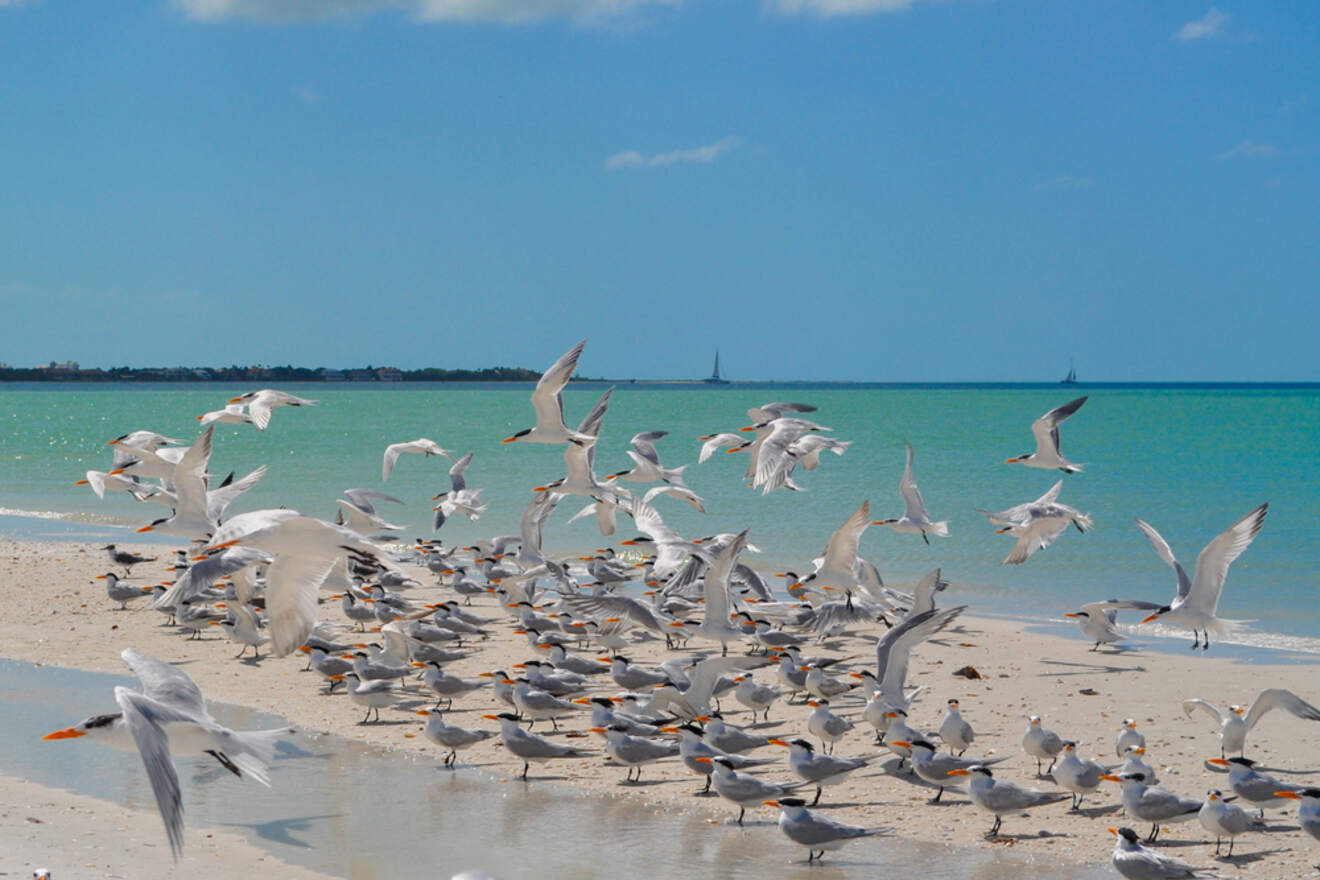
(699, 155)
(1209, 26)
(836, 8)
(1249, 150)
(505, 11)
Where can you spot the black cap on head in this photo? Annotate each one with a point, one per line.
(1128, 834)
(792, 802)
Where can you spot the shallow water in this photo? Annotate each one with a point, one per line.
(356, 811)
(1188, 459)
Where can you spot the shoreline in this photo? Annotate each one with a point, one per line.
(54, 614)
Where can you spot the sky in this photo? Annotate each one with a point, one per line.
(885, 190)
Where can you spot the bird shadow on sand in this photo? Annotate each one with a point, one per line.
(282, 830)
(1011, 839)
(1096, 812)
(1241, 859)
(1085, 668)
(394, 723)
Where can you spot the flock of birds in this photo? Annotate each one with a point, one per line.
(261, 577)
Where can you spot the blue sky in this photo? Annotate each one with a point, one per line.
(824, 189)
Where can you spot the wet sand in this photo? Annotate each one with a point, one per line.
(52, 612)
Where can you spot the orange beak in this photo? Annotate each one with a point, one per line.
(958, 773)
(1149, 619)
(66, 733)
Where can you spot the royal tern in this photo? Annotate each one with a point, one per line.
(743, 789)
(646, 462)
(232, 414)
(445, 686)
(548, 402)
(126, 558)
(243, 626)
(1152, 804)
(1135, 862)
(1223, 819)
(1133, 763)
(915, 519)
(115, 481)
(757, 697)
(1046, 431)
(1078, 775)
(120, 592)
(1235, 724)
(955, 732)
(459, 499)
(529, 747)
(633, 752)
(1308, 809)
(1040, 743)
(1128, 737)
(1002, 797)
(1037, 524)
(450, 736)
(729, 738)
(934, 767)
(420, 446)
(1197, 601)
(692, 747)
(820, 770)
(374, 694)
(815, 832)
(260, 403)
(1098, 620)
(1254, 786)
(170, 713)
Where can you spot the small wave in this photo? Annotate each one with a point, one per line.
(1246, 638)
(99, 519)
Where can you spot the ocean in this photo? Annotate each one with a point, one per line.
(1189, 459)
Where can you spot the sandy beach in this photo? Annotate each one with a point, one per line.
(53, 613)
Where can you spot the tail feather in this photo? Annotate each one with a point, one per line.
(939, 528)
(255, 751)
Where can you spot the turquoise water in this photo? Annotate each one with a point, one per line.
(1188, 459)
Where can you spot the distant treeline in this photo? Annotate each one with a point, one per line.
(68, 372)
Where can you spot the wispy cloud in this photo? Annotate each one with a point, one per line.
(1249, 150)
(1208, 27)
(1063, 182)
(504, 11)
(693, 155)
(307, 95)
(837, 8)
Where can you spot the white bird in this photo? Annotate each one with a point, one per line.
(260, 403)
(836, 569)
(1152, 804)
(1037, 524)
(1223, 819)
(713, 442)
(305, 551)
(955, 732)
(420, 446)
(893, 652)
(450, 736)
(242, 626)
(633, 751)
(1235, 724)
(529, 746)
(548, 402)
(1128, 737)
(170, 713)
(646, 462)
(1041, 743)
(915, 519)
(116, 480)
(358, 513)
(1046, 431)
(232, 414)
(1001, 797)
(190, 519)
(814, 831)
(1079, 775)
(121, 592)
(459, 499)
(1135, 862)
(1098, 621)
(1197, 602)
(1308, 809)
(743, 789)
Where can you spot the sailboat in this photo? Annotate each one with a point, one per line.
(1071, 378)
(714, 378)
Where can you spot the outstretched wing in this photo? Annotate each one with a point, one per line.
(547, 397)
(894, 648)
(1163, 550)
(1278, 698)
(1213, 562)
(1190, 706)
(1046, 428)
(166, 684)
(144, 717)
(914, 506)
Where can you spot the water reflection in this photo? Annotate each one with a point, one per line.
(353, 810)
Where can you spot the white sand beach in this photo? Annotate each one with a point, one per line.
(52, 612)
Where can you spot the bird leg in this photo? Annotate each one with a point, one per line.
(526, 767)
(994, 829)
(818, 791)
(225, 762)
(741, 810)
(923, 536)
(939, 794)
